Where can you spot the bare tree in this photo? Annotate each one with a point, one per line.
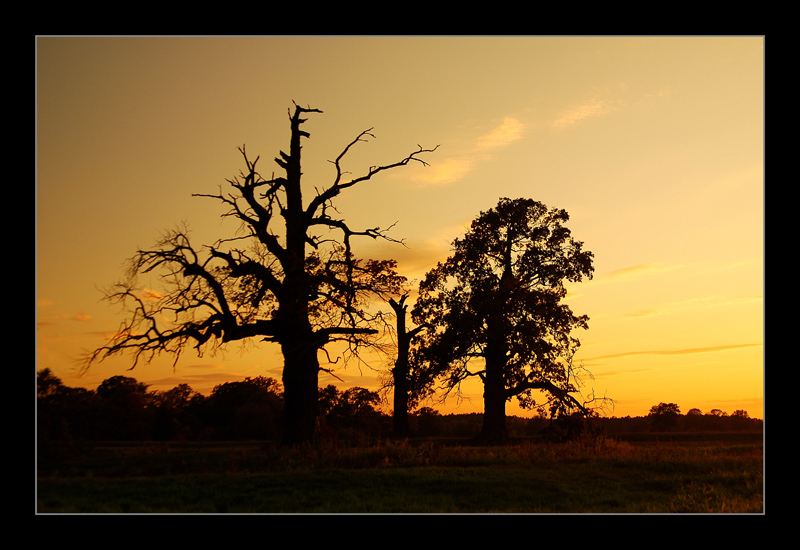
(404, 387)
(289, 277)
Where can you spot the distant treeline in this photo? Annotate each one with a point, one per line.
(122, 408)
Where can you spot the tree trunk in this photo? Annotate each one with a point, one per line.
(494, 400)
(300, 391)
(301, 366)
(400, 416)
(400, 372)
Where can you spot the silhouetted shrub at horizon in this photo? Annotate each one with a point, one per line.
(123, 409)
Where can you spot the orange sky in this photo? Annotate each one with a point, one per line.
(655, 146)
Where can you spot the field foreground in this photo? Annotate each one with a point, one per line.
(712, 473)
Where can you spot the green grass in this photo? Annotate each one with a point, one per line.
(606, 476)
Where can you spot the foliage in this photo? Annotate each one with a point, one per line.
(572, 427)
(124, 409)
(247, 409)
(494, 308)
(352, 413)
(664, 417)
(250, 410)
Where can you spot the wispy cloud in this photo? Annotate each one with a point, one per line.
(640, 269)
(607, 373)
(509, 131)
(107, 334)
(686, 351)
(446, 171)
(454, 168)
(592, 108)
(643, 313)
(149, 295)
(697, 303)
(625, 273)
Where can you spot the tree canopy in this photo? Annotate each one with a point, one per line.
(494, 309)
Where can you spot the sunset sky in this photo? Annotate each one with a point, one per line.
(654, 145)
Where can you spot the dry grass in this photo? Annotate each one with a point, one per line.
(593, 476)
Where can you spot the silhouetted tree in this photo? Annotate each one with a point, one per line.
(124, 409)
(664, 417)
(740, 420)
(47, 384)
(569, 427)
(352, 412)
(493, 310)
(693, 420)
(295, 281)
(246, 409)
(63, 413)
(406, 388)
(429, 422)
(174, 414)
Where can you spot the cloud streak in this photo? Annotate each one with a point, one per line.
(446, 171)
(508, 132)
(592, 108)
(453, 169)
(626, 273)
(686, 351)
(704, 302)
(640, 269)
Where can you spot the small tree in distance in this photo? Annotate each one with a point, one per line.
(664, 417)
(290, 278)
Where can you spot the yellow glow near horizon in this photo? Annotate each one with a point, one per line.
(655, 146)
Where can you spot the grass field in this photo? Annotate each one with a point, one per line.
(659, 475)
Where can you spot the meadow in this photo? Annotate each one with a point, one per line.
(646, 474)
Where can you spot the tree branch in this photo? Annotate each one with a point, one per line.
(322, 198)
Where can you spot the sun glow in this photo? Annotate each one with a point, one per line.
(655, 146)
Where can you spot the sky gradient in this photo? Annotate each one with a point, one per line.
(655, 147)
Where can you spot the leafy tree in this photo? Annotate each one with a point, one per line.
(493, 309)
(693, 419)
(246, 409)
(664, 417)
(47, 383)
(63, 413)
(174, 418)
(328, 398)
(357, 402)
(124, 407)
(740, 420)
(429, 421)
(350, 412)
(289, 277)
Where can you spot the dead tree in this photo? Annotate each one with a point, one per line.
(401, 372)
(289, 277)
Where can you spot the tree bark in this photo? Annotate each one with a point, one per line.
(301, 365)
(400, 372)
(494, 399)
(300, 390)
(400, 427)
